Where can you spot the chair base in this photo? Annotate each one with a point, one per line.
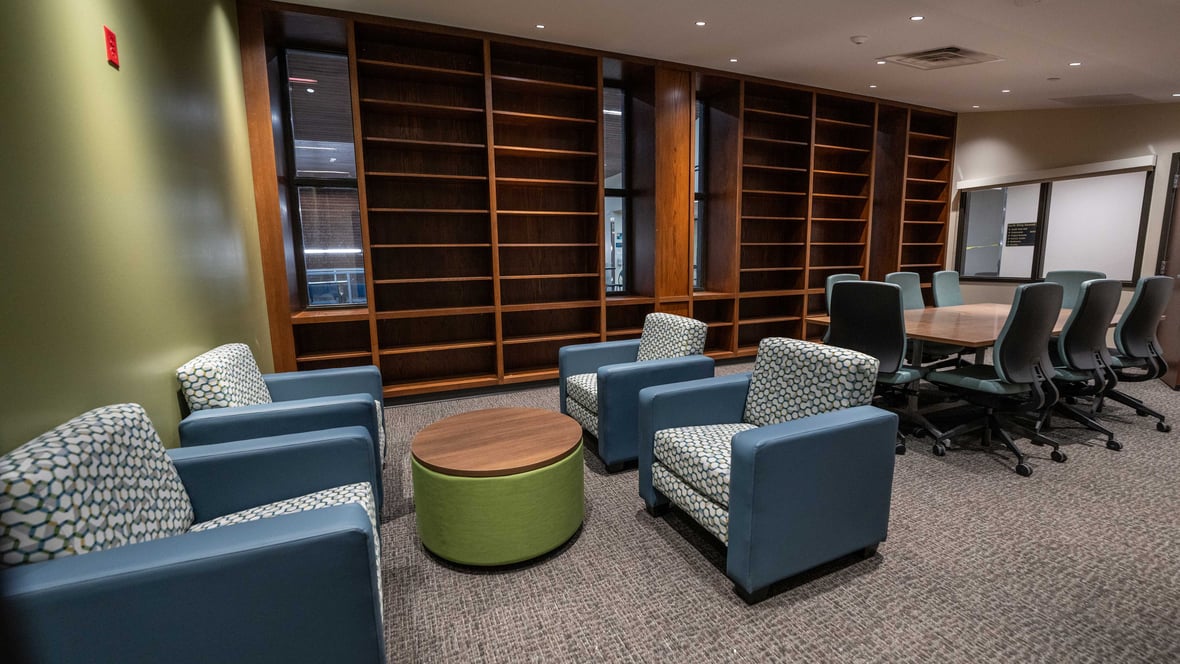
(752, 598)
(1141, 409)
(992, 424)
(657, 510)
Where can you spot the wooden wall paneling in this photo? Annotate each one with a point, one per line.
(493, 218)
(641, 164)
(264, 159)
(888, 188)
(721, 160)
(674, 117)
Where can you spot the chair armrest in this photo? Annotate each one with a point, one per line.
(618, 398)
(586, 358)
(718, 400)
(221, 425)
(297, 587)
(808, 491)
(324, 383)
(229, 477)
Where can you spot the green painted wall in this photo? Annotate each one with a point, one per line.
(129, 235)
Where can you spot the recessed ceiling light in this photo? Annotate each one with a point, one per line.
(733, 59)
(1176, 94)
(975, 106)
(540, 26)
(701, 24)
(311, 90)
(1075, 64)
(880, 62)
(1005, 91)
(872, 86)
(917, 18)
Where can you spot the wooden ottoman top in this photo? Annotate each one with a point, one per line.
(496, 442)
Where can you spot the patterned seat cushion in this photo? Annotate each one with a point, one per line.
(360, 493)
(225, 377)
(99, 481)
(794, 379)
(709, 514)
(700, 457)
(666, 336)
(588, 420)
(583, 388)
(380, 430)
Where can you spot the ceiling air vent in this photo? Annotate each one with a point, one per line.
(941, 58)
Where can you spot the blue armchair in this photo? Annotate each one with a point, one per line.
(786, 465)
(113, 549)
(599, 383)
(230, 399)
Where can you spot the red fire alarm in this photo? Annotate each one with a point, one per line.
(112, 47)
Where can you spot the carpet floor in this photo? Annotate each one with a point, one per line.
(1077, 563)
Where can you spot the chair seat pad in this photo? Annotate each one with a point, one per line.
(900, 377)
(588, 420)
(709, 514)
(977, 378)
(700, 456)
(1125, 361)
(1070, 376)
(583, 388)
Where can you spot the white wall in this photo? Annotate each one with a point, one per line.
(991, 144)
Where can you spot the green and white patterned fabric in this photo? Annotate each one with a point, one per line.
(709, 514)
(225, 377)
(99, 481)
(360, 493)
(700, 456)
(794, 379)
(666, 336)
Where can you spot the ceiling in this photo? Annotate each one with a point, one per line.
(1129, 50)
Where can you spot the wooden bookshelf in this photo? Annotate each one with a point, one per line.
(926, 201)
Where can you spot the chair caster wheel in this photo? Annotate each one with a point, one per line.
(899, 449)
(1114, 445)
(1023, 469)
(1163, 427)
(1058, 456)
(939, 450)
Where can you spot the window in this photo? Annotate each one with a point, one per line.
(614, 178)
(327, 209)
(698, 199)
(1021, 232)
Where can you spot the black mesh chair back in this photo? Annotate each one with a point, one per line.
(1082, 343)
(1135, 335)
(1019, 354)
(867, 316)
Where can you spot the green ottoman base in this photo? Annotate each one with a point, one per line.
(499, 520)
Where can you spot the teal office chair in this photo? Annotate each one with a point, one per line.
(867, 317)
(944, 286)
(831, 281)
(911, 298)
(1136, 345)
(1080, 359)
(1020, 380)
(1071, 281)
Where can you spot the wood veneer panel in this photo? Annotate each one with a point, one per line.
(674, 124)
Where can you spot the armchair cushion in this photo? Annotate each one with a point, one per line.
(667, 335)
(99, 481)
(709, 514)
(794, 379)
(588, 420)
(224, 377)
(583, 388)
(700, 456)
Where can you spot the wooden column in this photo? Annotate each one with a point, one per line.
(673, 189)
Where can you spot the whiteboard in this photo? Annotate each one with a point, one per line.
(1094, 224)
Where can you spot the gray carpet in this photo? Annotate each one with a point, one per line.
(1077, 563)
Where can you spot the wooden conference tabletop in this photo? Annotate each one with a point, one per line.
(970, 325)
(496, 442)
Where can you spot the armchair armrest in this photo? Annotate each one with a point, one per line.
(230, 477)
(324, 383)
(220, 425)
(618, 398)
(297, 587)
(808, 491)
(718, 400)
(586, 358)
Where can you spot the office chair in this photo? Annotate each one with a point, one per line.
(599, 383)
(787, 466)
(1071, 281)
(1018, 382)
(1137, 346)
(911, 298)
(1080, 359)
(944, 286)
(831, 281)
(867, 317)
